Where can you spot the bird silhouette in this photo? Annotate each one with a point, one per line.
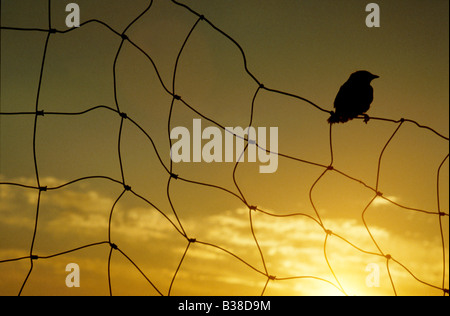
(354, 98)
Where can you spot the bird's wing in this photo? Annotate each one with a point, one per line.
(342, 97)
(353, 99)
(365, 98)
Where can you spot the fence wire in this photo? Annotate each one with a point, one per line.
(177, 100)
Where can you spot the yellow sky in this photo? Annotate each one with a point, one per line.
(305, 48)
(292, 246)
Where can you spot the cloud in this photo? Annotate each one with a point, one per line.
(294, 247)
(291, 246)
(74, 209)
(379, 201)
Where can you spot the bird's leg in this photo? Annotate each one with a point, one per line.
(366, 118)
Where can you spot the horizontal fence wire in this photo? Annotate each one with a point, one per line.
(177, 224)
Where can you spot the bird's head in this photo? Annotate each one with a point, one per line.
(362, 76)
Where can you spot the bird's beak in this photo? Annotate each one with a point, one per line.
(375, 76)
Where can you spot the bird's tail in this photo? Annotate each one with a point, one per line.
(337, 118)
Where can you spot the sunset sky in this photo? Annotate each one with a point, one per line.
(302, 48)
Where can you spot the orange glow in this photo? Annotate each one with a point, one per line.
(86, 175)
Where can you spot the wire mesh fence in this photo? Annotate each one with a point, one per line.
(153, 135)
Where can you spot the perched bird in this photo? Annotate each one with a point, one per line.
(354, 98)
